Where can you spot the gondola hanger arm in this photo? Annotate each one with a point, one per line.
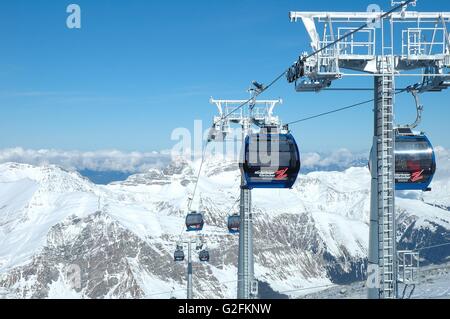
(419, 109)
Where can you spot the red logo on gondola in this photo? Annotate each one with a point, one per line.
(417, 176)
(281, 174)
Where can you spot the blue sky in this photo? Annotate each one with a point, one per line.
(138, 69)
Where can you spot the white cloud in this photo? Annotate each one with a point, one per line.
(131, 162)
(339, 159)
(343, 159)
(442, 163)
(107, 160)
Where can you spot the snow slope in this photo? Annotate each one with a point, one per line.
(434, 283)
(121, 236)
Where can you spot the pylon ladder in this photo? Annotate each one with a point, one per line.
(386, 177)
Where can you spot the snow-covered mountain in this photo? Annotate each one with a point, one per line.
(121, 237)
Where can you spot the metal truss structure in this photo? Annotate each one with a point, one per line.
(396, 45)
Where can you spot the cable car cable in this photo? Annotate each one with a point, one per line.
(432, 247)
(356, 89)
(338, 110)
(196, 185)
(198, 176)
(262, 89)
(330, 112)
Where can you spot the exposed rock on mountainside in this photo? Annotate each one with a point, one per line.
(62, 236)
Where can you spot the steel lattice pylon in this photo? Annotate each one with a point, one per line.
(385, 186)
(257, 112)
(190, 288)
(425, 44)
(245, 262)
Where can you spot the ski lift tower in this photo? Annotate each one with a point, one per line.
(391, 44)
(189, 241)
(257, 112)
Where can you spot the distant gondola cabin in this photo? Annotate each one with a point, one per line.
(194, 222)
(234, 223)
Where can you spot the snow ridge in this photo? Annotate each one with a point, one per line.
(122, 235)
